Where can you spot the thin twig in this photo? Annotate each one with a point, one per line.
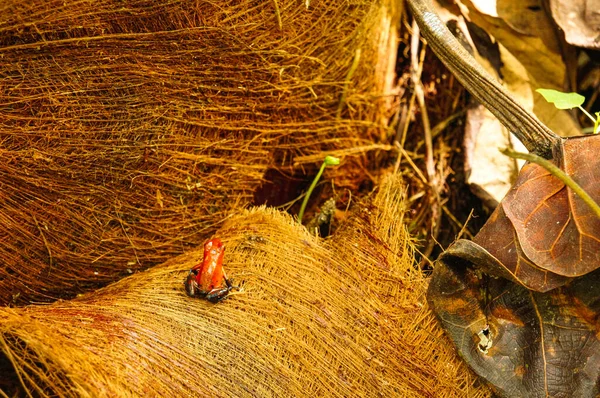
(463, 227)
(435, 201)
(340, 153)
(402, 152)
(441, 126)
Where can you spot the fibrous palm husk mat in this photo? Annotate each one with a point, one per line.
(344, 316)
(129, 130)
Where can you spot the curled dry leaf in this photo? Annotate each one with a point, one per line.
(532, 57)
(524, 343)
(511, 299)
(542, 235)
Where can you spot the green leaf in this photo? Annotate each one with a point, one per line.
(562, 100)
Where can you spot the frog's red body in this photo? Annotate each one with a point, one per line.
(208, 279)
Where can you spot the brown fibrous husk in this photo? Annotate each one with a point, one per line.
(130, 130)
(344, 316)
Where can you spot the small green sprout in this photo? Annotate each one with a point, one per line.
(329, 161)
(568, 101)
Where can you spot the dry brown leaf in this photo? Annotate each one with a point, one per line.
(524, 343)
(556, 229)
(537, 50)
(528, 59)
(487, 169)
(579, 20)
(542, 234)
(520, 301)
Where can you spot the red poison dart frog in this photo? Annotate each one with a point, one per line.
(207, 279)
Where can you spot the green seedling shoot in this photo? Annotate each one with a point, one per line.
(329, 161)
(568, 101)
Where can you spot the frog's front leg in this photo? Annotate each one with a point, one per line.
(191, 286)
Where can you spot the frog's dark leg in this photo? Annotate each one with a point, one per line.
(216, 295)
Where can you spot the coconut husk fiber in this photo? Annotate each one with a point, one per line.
(130, 130)
(339, 317)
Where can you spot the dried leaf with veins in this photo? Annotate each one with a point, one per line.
(524, 343)
(556, 229)
(532, 329)
(542, 235)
